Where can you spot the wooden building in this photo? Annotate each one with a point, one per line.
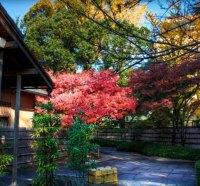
(19, 73)
(17, 60)
(7, 108)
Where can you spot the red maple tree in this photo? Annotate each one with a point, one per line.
(90, 95)
(164, 85)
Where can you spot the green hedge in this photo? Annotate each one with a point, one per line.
(107, 143)
(197, 167)
(154, 149)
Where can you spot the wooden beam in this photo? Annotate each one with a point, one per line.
(11, 44)
(2, 42)
(8, 44)
(16, 131)
(1, 70)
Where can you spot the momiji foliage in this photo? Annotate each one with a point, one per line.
(162, 84)
(92, 96)
(172, 86)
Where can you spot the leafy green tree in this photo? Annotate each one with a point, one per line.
(61, 38)
(163, 40)
(46, 126)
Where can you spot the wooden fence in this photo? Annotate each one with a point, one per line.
(163, 135)
(25, 150)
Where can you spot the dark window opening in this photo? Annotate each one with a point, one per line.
(3, 121)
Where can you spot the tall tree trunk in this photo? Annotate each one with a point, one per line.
(174, 127)
(183, 136)
(173, 135)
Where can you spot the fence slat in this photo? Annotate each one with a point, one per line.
(155, 135)
(25, 141)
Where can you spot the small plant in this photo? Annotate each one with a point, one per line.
(197, 168)
(4, 159)
(46, 126)
(78, 147)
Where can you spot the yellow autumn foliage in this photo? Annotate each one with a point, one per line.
(179, 34)
(197, 111)
(123, 10)
(43, 6)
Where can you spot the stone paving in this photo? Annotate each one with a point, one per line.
(133, 170)
(138, 170)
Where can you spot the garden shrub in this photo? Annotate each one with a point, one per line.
(154, 149)
(135, 146)
(162, 150)
(46, 126)
(170, 151)
(79, 145)
(5, 158)
(197, 168)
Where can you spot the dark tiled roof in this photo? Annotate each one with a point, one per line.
(19, 59)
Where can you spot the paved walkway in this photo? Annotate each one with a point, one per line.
(138, 170)
(133, 170)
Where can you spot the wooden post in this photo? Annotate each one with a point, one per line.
(2, 45)
(1, 70)
(16, 130)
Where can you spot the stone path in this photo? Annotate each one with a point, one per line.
(138, 170)
(133, 170)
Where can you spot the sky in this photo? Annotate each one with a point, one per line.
(18, 8)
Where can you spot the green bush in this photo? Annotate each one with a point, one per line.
(4, 160)
(79, 146)
(46, 126)
(134, 146)
(154, 149)
(169, 151)
(197, 167)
